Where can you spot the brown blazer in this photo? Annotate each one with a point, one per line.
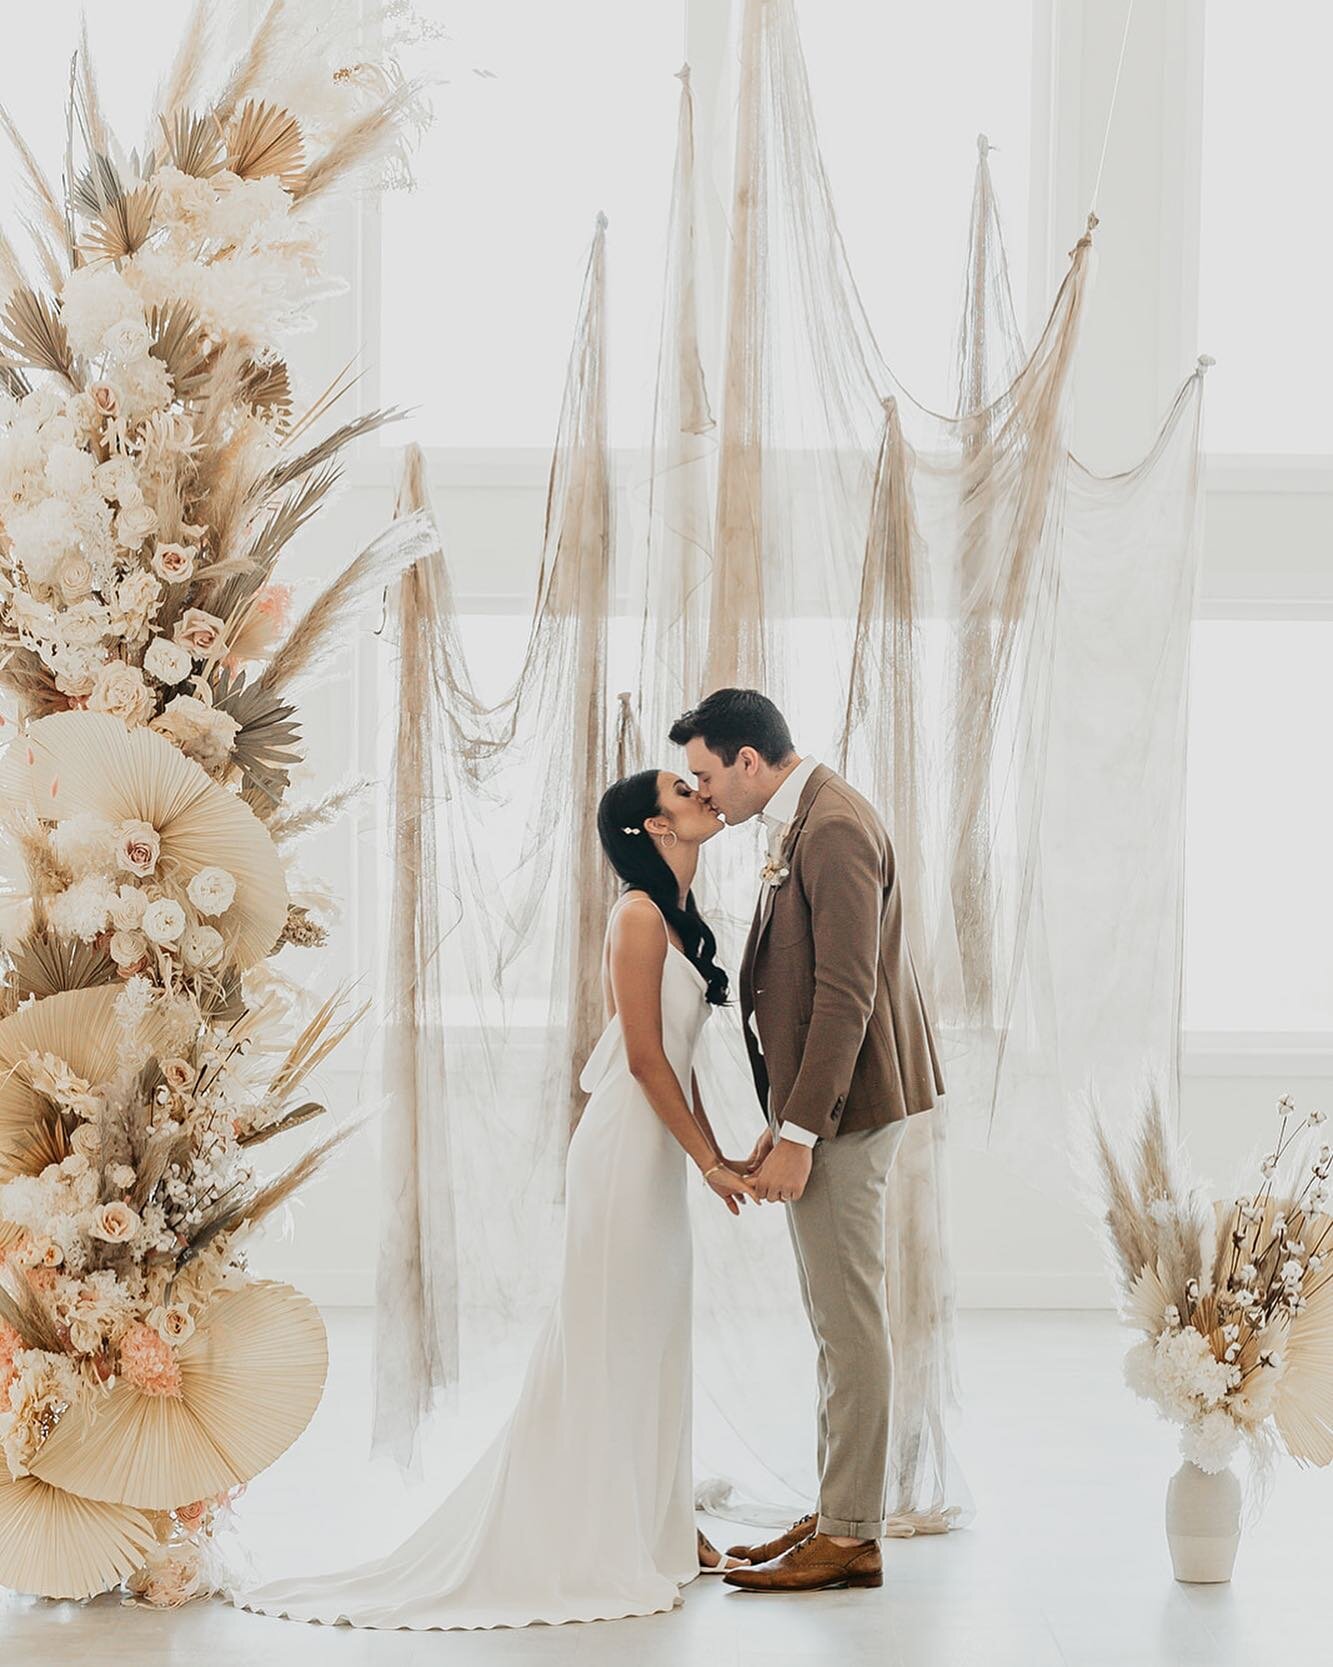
(828, 975)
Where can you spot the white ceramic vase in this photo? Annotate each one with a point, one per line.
(1203, 1523)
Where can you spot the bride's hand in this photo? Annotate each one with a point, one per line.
(729, 1186)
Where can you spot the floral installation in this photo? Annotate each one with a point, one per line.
(155, 461)
(1234, 1299)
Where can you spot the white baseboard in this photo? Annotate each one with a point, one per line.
(355, 1288)
(1034, 1290)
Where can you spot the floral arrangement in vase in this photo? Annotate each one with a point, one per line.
(1233, 1300)
(155, 461)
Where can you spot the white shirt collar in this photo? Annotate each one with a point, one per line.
(782, 807)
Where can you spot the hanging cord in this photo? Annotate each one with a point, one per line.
(1110, 114)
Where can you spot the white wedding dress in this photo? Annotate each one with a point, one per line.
(582, 1507)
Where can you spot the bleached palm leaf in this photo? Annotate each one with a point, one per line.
(123, 226)
(267, 390)
(193, 143)
(1303, 1411)
(179, 343)
(1145, 1306)
(45, 964)
(79, 1027)
(252, 1376)
(56, 1545)
(32, 336)
(264, 140)
(89, 761)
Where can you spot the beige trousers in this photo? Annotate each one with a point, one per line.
(838, 1227)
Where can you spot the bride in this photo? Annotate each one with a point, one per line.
(582, 1507)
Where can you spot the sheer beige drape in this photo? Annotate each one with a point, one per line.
(988, 639)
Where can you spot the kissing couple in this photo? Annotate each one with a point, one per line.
(582, 1507)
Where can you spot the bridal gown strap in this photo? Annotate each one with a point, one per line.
(582, 1506)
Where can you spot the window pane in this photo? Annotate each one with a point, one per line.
(899, 108)
(551, 113)
(577, 112)
(1259, 882)
(1266, 244)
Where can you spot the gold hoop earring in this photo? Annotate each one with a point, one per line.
(670, 834)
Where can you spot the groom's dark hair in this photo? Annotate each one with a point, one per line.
(730, 719)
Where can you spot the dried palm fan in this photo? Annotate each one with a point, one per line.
(78, 1026)
(89, 761)
(1303, 1412)
(252, 1376)
(56, 1545)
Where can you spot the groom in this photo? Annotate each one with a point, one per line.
(842, 1054)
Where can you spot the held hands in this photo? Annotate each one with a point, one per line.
(777, 1173)
(730, 1186)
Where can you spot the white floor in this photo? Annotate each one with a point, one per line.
(1065, 1565)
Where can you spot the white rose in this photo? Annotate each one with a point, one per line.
(167, 661)
(134, 523)
(127, 948)
(116, 479)
(201, 946)
(179, 1074)
(74, 577)
(127, 908)
(114, 1223)
(174, 563)
(174, 1324)
(138, 847)
(85, 1337)
(164, 920)
(120, 690)
(87, 1140)
(126, 340)
(212, 891)
(200, 632)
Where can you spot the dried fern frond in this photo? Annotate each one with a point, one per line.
(186, 73)
(268, 744)
(249, 1209)
(32, 336)
(50, 227)
(264, 140)
(323, 450)
(179, 342)
(312, 1047)
(253, 62)
(284, 1125)
(287, 826)
(373, 136)
(123, 226)
(193, 143)
(316, 634)
(21, 1307)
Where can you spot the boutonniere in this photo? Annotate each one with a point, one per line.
(775, 869)
(774, 872)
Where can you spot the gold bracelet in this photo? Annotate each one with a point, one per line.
(708, 1172)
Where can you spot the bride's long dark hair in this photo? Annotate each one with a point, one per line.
(629, 803)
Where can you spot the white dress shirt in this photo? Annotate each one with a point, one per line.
(778, 814)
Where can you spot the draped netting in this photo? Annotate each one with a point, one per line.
(989, 639)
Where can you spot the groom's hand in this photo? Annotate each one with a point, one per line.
(762, 1147)
(781, 1177)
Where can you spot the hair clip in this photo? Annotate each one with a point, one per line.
(631, 830)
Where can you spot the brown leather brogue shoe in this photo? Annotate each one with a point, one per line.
(798, 1531)
(815, 1565)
